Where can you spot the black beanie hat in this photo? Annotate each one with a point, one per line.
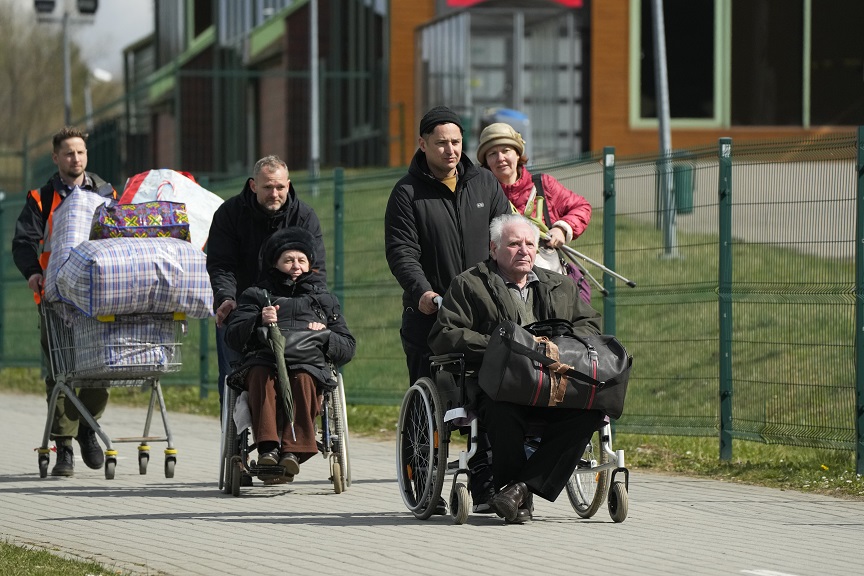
(439, 115)
(292, 238)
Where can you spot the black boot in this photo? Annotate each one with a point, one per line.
(507, 502)
(91, 452)
(525, 513)
(65, 465)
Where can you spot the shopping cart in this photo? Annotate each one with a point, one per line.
(131, 350)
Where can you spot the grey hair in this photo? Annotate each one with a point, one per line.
(271, 163)
(499, 223)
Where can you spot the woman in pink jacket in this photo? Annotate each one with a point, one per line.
(502, 151)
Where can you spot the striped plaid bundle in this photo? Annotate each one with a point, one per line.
(157, 219)
(146, 345)
(136, 276)
(71, 226)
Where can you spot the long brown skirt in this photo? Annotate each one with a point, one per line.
(268, 422)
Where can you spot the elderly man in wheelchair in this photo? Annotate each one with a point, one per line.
(509, 287)
(287, 298)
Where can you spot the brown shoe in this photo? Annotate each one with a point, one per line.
(290, 463)
(267, 458)
(507, 502)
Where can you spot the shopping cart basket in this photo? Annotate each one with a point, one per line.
(131, 350)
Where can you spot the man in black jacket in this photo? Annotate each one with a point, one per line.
(31, 251)
(240, 226)
(436, 226)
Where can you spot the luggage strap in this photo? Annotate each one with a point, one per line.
(549, 362)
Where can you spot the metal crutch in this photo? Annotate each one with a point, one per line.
(576, 254)
(572, 254)
(585, 272)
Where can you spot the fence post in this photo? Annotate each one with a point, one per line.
(725, 295)
(338, 235)
(2, 279)
(609, 237)
(204, 336)
(204, 358)
(25, 164)
(859, 308)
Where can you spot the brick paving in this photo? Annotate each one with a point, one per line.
(184, 526)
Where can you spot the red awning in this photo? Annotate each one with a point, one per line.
(466, 3)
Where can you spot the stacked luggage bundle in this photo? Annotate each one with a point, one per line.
(123, 278)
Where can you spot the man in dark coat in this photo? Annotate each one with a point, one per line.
(437, 225)
(239, 229)
(509, 287)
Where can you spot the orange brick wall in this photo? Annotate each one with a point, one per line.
(164, 141)
(271, 121)
(405, 16)
(610, 124)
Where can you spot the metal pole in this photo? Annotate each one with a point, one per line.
(339, 235)
(88, 103)
(609, 237)
(661, 81)
(725, 295)
(67, 75)
(314, 113)
(2, 279)
(859, 309)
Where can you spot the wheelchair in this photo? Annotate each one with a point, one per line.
(237, 445)
(433, 408)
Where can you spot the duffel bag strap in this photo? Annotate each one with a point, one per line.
(548, 362)
(558, 387)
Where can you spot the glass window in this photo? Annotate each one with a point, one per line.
(203, 18)
(767, 61)
(689, 28)
(837, 63)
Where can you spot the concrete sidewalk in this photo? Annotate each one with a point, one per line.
(185, 526)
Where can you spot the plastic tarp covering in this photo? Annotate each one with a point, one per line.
(172, 186)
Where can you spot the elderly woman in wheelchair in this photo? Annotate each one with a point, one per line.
(508, 286)
(290, 297)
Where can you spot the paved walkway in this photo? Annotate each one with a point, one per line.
(185, 526)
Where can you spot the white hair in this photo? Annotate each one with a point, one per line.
(497, 226)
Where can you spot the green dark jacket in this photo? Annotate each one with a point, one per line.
(478, 300)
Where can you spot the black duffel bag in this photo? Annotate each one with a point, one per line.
(547, 364)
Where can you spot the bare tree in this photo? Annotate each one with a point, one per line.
(31, 74)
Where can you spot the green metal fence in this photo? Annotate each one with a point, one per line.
(742, 323)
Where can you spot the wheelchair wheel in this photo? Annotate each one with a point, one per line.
(336, 473)
(619, 502)
(340, 411)
(421, 451)
(587, 489)
(236, 475)
(459, 503)
(229, 443)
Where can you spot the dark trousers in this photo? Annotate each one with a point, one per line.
(226, 357)
(415, 335)
(65, 421)
(565, 433)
